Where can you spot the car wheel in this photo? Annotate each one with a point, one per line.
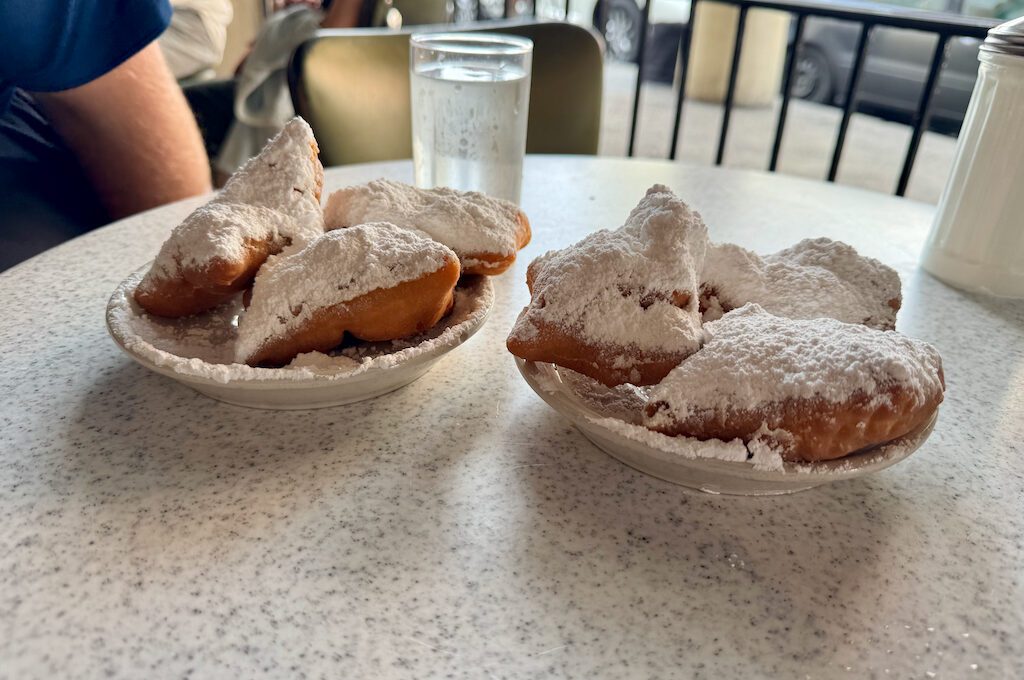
(813, 77)
(620, 23)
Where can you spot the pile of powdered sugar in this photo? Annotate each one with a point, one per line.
(619, 409)
(615, 287)
(273, 197)
(468, 222)
(221, 231)
(203, 346)
(752, 359)
(812, 279)
(286, 176)
(339, 266)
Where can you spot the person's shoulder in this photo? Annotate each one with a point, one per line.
(49, 45)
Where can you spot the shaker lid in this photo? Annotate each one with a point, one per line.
(1006, 38)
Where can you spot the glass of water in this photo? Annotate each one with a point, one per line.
(470, 99)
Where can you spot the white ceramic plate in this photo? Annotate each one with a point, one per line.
(198, 351)
(610, 419)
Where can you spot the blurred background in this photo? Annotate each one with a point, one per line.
(894, 73)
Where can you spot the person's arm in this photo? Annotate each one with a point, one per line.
(133, 133)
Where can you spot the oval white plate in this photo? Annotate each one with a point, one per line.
(603, 416)
(198, 351)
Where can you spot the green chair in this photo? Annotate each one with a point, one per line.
(352, 85)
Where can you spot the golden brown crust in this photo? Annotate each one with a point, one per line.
(192, 291)
(384, 314)
(492, 264)
(610, 366)
(523, 232)
(810, 430)
(177, 297)
(314, 157)
(486, 264)
(604, 364)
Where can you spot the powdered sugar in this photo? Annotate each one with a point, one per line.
(761, 455)
(286, 176)
(202, 347)
(273, 197)
(620, 410)
(324, 364)
(468, 222)
(619, 288)
(814, 278)
(616, 413)
(339, 266)
(752, 359)
(220, 231)
(687, 447)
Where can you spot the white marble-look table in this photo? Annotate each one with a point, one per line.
(459, 527)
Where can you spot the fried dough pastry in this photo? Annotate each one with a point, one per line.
(619, 306)
(211, 256)
(813, 389)
(484, 232)
(375, 282)
(272, 202)
(814, 278)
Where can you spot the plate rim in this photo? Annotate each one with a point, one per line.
(314, 380)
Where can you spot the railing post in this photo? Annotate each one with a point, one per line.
(866, 17)
(924, 113)
(851, 98)
(730, 91)
(787, 86)
(639, 76)
(684, 66)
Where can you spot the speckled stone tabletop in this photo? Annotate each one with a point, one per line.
(461, 528)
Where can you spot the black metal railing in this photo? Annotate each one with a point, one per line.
(868, 15)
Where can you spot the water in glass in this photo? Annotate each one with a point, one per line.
(469, 126)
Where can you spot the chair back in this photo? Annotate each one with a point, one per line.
(352, 86)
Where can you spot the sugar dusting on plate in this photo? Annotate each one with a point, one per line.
(620, 410)
(203, 346)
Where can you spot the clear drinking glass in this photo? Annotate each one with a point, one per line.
(470, 99)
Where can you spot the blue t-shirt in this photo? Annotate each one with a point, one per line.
(47, 46)
(51, 45)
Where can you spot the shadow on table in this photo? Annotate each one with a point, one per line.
(698, 575)
(166, 470)
(150, 423)
(138, 431)
(1007, 310)
(576, 536)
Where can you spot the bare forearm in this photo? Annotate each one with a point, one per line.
(134, 135)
